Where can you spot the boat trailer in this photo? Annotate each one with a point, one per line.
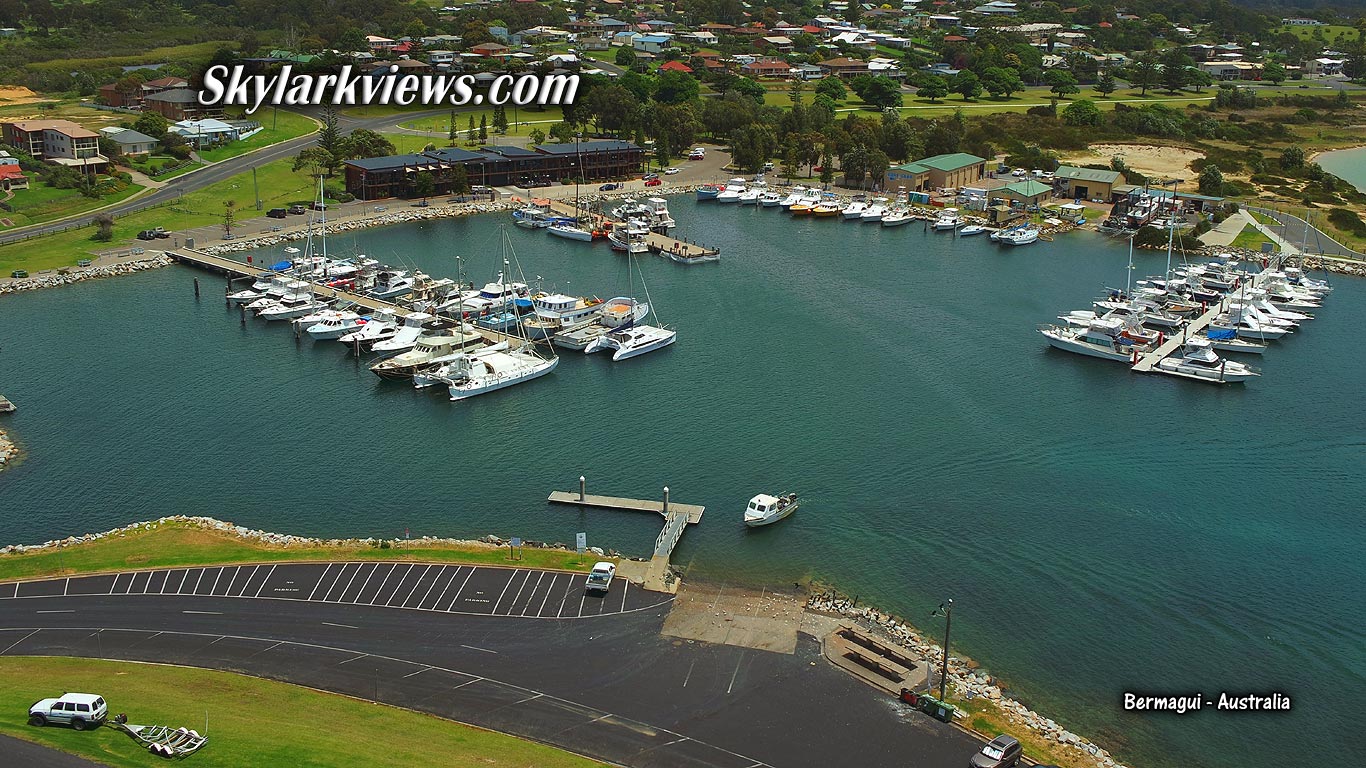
(162, 739)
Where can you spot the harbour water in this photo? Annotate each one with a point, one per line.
(1099, 531)
(1348, 164)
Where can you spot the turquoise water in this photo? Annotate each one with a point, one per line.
(1099, 531)
(1348, 164)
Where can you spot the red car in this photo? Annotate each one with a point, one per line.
(653, 182)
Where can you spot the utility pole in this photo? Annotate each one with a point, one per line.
(255, 190)
(945, 610)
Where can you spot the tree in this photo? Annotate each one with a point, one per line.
(316, 160)
(1211, 180)
(1105, 83)
(933, 88)
(831, 87)
(1000, 82)
(483, 128)
(229, 215)
(855, 165)
(752, 146)
(1273, 72)
(151, 124)
(1082, 112)
(1199, 78)
(898, 138)
(458, 178)
(1176, 69)
(626, 57)
(1144, 73)
(1061, 82)
(662, 154)
(1292, 157)
(677, 124)
(500, 119)
(675, 88)
(751, 88)
(827, 166)
(366, 143)
(878, 163)
(350, 40)
(471, 133)
(104, 231)
(882, 92)
(967, 84)
(536, 136)
(424, 185)
(329, 138)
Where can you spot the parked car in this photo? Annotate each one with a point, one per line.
(277, 213)
(297, 210)
(653, 182)
(670, 171)
(600, 578)
(649, 176)
(147, 234)
(1001, 752)
(319, 206)
(19, 273)
(768, 166)
(1018, 172)
(161, 233)
(79, 710)
(609, 187)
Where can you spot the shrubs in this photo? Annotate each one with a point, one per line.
(1347, 220)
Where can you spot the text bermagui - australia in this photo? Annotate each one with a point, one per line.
(231, 85)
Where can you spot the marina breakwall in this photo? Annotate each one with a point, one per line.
(965, 681)
(9, 452)
(78, 274)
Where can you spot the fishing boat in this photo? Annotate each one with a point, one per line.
(440, 373)
(1227, 340)
(806, 203)
(378, 327)
(292, 306)
(854, 210)
(764, 509)
(658, 212)
(391, 284)
(770, 199)
(896, 216)
(948, 220)
(404, 336)
(793, 197)
(1198, 361)
(428, 352)
(731, 194)
(1102, 337)
(827, 208)
(335, 324)
(1017, 236)
(875, 210)
(709, 191)
(1247, 325)
(750, 196)
(628, 236)
(531, 217)
(971, 229)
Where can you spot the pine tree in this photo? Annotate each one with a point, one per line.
(471, 133)
(329, 138)
(500, 119)
(454, 134)
(1105, 84)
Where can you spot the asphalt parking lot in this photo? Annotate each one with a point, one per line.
(511, 649)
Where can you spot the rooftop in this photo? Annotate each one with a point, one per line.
(1086, 174)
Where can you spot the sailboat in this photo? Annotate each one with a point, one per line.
(473, 374)
(634, 340)
(565, 229)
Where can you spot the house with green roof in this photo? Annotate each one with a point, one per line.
(1087, 183)
(938, 172)
(1028, 192)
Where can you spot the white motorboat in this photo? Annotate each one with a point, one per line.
(1227, 341)
(335, 324)
(806, 203)
(499, 292)
(659, 213)
(1103, 337)
(875, 210)
(428, 352)
(896, 216)
(376, 328)
(948, 220)
(764, 509)
(531, 217)
(854, 210)
(291, 307)
(770, 200)
(557, 312)
(1198, 361)
(792, 198)
(750, 196)
(731, 194)
(1148, 313)
(404, 337)
(1247, 326)
(971, 229)
(440, 374)
(392, 283)
(1265, 306)
(570, 232)
(472, 375)
(1295, 276)
(1017, 236)
(629, 236)
(633, 341)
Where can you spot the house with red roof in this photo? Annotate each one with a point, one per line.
(675, 66)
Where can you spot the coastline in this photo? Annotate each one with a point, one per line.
(9, 451)
(967, 681)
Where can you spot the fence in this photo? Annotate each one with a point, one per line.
(1307, 237)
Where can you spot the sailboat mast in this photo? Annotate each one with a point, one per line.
(1171, 232)
(1129, 273)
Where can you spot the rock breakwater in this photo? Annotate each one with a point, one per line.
(77, 274)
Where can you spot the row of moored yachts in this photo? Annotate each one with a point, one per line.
(627, 227)
(801, 201)
(1215, 307)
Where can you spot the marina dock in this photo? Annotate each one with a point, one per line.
(665, 243)
(677, 518)
(1147, 363)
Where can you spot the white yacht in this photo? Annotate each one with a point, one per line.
(1198, 361)
(501, 292)
(1102, 337)
(764, 509)
(1227, 341)
(428, 352)
(948, 220)
(633, 341)
(472, 375)
(570, 232)
(392, 283)
(629, 236)
(1247, 326)
(291, 307)
(771, 199)
(750, 196)
(1017, 235)
(376, 328)
(557, 312)
(896, 216)
(335, 324)
(659, 213)
(971, 229)
(806, 203)
(854, 210)
(440, 374)
(731, 194)
(792, 198)
(404, 337)
(875, 210)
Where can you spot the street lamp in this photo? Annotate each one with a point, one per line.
(945, 610)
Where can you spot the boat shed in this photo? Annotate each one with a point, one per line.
(1091, 184)
(1027, 193)
(938, 172)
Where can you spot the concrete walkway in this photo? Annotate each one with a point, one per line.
(1227, 230)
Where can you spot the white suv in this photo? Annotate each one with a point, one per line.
(81, 710)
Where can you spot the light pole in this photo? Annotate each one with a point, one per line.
(945, 610)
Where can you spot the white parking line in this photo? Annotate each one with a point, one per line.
(420, 671)
(540, 575)
(454, 572)
(245, 582)
(164, 582)
(581, 601)
(65, 586)
(184, 577)
(380, 591)
(433, 586)
(411, 590)
(214, 589)
(20, 640)
(328, 597)
(320, 581)
(345, 626)
(548, 591)
(353, 658)
(368, 577)
(494, 611)
(264, 581)
(198, 579)
(462, 588)
(625, 586)
(112, 587)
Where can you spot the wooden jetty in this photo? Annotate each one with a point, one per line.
(666, 243)
(1147, 363)
(677, 517)
(236, 270)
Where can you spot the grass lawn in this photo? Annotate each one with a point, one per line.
(1330, 31)
(180, 544)
(66, 109)
(438, 126)
(42, 203)
(242, 727)
(280, 125)
(178, 172)
(193, 52)
(1250, 238)
(278, 184)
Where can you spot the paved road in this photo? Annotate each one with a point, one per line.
(514, 650)
(26, 754)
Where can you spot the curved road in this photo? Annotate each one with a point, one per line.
(520, 651)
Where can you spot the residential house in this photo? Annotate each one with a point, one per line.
(844, 68)
(701, 37)
(491, 50)
(131, 143)
(775, 43)
(1232, 70)
(206, 132)
(379, 44)
(1324, 67)
(717, 29)
(675, 66)
(111, 95)
(880, 67)
(612, 26)
(441, 59)
(11, 175)
(807, 72)
(1086, 183)
(178, 104)
(441, 41)
(1302, 22)
(60, 142)
(944, 20)
(626, 38)
(767, 68)
(652, 43)
(659, 25)
(854, 40)
(938, 172)
(997, 8)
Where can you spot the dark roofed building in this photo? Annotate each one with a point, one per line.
(178, 104)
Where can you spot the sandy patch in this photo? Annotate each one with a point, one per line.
(765, 620)
(1154, 162)
(17, 94)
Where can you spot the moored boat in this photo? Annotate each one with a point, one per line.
(764, 509)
